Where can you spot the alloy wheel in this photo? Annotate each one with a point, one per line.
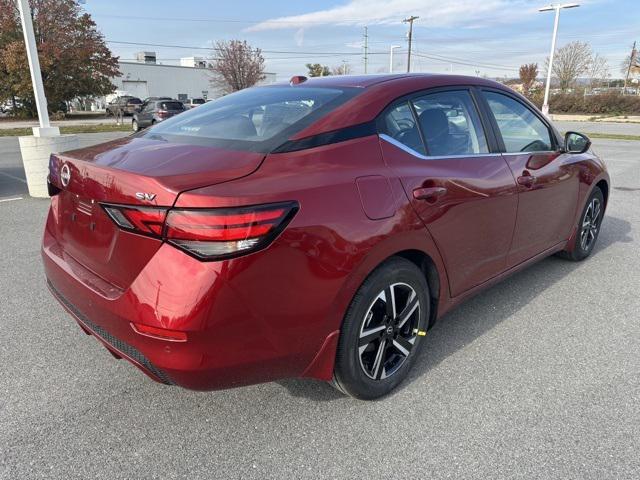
(590, 225)
(389, 331)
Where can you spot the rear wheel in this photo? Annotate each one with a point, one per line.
(382, 330)
(588, 227)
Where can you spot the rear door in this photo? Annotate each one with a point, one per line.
(548, 180)
(458, 184)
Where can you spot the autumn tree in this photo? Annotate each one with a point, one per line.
(317, 70)
(571, 61)
(528, 75)
(236, 65)
(74, 58)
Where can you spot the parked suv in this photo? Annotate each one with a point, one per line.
(125, 105)
(194, 102)
(153, 112)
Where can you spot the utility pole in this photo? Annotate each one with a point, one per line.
(556, 8)
(631, 61)
(366, 49)
(410, 21)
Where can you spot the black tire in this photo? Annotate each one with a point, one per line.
(588, 228)
(358, 372)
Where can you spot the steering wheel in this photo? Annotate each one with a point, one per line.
(535, 146)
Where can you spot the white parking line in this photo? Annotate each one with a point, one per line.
(11, 199)
(13, 177)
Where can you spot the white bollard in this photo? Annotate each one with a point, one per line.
(35, 157)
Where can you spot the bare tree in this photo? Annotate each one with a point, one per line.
(598, 70)
(237, 65)
(344, 69)
(528, 75)
(570, 62)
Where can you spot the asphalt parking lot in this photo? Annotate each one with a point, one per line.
(537, 377)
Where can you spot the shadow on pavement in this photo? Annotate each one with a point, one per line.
(12, 182)
(457, 328)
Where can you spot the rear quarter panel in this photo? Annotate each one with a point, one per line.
(331, 245)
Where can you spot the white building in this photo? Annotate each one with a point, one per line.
(147, 78)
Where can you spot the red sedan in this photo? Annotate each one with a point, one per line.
(312, 229)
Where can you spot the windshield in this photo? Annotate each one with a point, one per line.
(256, 118)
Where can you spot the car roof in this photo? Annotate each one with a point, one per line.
(365, 81)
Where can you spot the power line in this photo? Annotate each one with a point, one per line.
(163, 45)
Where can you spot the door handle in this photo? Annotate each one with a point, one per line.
(430, 194)
(526, 180)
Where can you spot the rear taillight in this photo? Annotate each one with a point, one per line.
(208, 234)
(162, 113)
(144, 220)
(227, 232)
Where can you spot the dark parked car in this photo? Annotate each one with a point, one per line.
(312, 229)
(155, 111)
(123, 106)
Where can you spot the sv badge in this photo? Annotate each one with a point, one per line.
(149, 197)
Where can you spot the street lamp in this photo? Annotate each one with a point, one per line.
(557, 8)
(393, 47)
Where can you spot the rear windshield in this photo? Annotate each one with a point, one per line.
(170, 106)
(198, 101)
(134, 101)
(258, 119)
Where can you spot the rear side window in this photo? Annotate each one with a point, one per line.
(255, 118)
(521, 129)
(399, 124)
(450, 124)
(170, 106)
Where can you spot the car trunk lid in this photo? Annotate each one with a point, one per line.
(137, 172)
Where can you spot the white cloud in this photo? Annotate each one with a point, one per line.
(436, 13)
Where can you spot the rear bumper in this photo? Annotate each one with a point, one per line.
(238, 316)
(117, 347)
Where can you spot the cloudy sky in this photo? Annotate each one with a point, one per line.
(492, 37)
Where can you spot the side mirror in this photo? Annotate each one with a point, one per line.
(575, 142)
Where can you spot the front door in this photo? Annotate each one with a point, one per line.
(465, 195)
(548, 180)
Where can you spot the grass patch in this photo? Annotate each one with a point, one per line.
(107, 127)
(612, 136)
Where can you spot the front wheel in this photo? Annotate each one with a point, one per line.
(382, 330)
(588, 227)
(135, 126)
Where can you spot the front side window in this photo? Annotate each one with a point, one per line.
(254, 118)
(450, 124)
(521, 129)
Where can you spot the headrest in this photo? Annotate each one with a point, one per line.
(434, 123)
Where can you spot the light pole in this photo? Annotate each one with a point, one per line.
(393, 47)
(45, 130)
(37, 148)
(557, 8)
